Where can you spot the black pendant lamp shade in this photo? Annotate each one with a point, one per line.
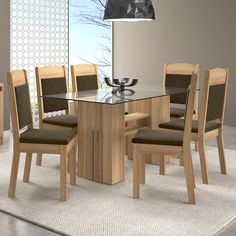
(129, 10)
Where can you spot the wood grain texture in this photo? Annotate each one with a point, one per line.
(140, 149)
(159, 111)
(135, 121)
(181, 69)
(16, 78)
(215, 76)
(101, 142)
(48, 72)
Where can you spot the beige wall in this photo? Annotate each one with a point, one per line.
(5, 52)
(200, 31)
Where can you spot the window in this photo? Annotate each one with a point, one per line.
(90, 36)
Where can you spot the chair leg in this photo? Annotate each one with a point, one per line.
(72, 165)
(188, 170)
(162, 164)
(181, 163)
(129, 147)
(196, 146)
(39, 159)
(203, 163)
(68, 161)
(77, 155)
(191, 163)
(136, 186)
(14, 174)
(28, 161)
(63, 173)
(142, 161)
(221, 151)
(126, 145)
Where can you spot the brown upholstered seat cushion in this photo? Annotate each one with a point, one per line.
(178, 112)
(63, 120)
(47, 136)
(178, 124)
(161, 137)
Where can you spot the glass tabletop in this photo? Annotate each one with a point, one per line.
(110, 96)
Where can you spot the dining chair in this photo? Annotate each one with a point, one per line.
(52, 80)
(210, 122)
(27, 139)
(166, 142)
(84, 77)
(179, 75)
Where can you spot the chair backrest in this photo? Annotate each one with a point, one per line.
(179, 75)
(84, 77)
(214, 96)
(51, 80)
(190, 101)
(20, 105)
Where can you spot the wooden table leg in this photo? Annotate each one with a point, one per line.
(101, 142)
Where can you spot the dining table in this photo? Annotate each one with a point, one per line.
(102, 126)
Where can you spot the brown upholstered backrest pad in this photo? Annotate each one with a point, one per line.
(86, 82)
(23, 105)
(54, 86)
(215, 102)
(178, 81)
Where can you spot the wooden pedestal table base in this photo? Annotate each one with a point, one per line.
(101, 142)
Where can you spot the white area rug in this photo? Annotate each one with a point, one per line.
(98, 209)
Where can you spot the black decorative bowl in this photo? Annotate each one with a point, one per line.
(120, 84)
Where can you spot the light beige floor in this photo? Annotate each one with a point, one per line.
(230, 230)
(11, 226)
(16, 227)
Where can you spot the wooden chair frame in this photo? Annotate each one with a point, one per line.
(80, 70)
(48, 72)
(213, 77)
(183, 69)
(216, 76)
(140, 149)
(17, 78)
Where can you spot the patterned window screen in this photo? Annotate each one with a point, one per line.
(39, 37)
